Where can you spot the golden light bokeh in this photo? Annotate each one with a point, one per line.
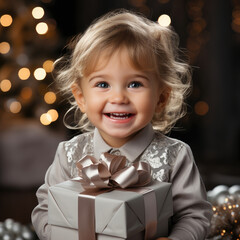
(48, 66)
(38, 12)
(45, 119)
(6, 20)
(50, 97)
(15, 107)
(236, 13)
(164, 20)
(24, 73)
(54, 114)
(196, 27)
(236, 20)
(26, 93)
(42, 28)
(39, 74)
(236, 24)
(4, 47)
(5, 85)
(201, 108)
(49, 117)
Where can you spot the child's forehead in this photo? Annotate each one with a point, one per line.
(106, 56)
(118, 55)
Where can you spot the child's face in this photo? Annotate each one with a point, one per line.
(118, 99)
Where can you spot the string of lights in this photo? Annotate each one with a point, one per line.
(225, 222)
(21, 64)
(27, 38)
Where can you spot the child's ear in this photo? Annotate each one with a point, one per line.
(78, 95)
(163, 99)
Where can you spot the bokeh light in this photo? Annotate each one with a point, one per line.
(26, 93)
(42, 28)
(39, 74)
(164, 20)
(236, 19)
(6, 20)
(5, 85)
(54, 114)
(50, 97)
(236, 25)
(201, 108)
(196, 27)
(38, 12)
(45, 119)
(48, 66)
(15, 106)
(22, 59)
(4, 47)
(24, 73)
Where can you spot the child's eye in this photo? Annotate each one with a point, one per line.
(102, 85)
(135, 85)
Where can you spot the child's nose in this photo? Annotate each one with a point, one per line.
(118, 96)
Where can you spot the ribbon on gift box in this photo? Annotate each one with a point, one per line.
(110, 172)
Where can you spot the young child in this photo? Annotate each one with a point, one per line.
(124, 79)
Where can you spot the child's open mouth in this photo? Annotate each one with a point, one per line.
(119, 115)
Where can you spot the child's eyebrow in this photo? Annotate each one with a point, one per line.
(141, 76)
(97, 76)
(105, 76)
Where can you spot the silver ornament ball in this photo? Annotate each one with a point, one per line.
(27, 234)
(18, 238)
(2, 231)
(8, 236)
(17, 227)
(8, 223)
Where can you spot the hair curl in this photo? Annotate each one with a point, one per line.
(151, 47)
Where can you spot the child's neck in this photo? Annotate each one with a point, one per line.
(116, 142)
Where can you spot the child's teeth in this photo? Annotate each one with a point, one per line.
(119, 115)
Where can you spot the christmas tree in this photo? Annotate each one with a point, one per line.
(29, 44)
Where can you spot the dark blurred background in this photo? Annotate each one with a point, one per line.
(31, 112)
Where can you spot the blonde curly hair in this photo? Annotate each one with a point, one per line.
(151, 47)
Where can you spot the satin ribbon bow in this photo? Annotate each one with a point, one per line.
(110, 171)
